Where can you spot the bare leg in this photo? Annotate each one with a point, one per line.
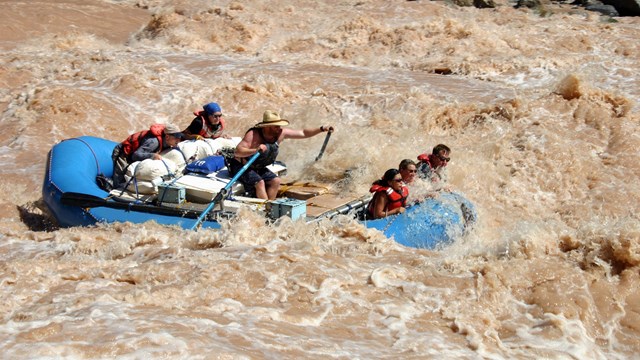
(272, 188)
(261, 192)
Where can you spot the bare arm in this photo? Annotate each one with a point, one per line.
(379, 205)
(304, 133)
(395, 211)
(249, 145)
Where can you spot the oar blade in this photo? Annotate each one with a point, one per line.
(324, 146)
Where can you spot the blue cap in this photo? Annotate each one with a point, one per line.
(212, 108)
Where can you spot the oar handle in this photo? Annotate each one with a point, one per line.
(224, 191)
(324, 145)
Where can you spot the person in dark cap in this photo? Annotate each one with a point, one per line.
(265, 137)
(146, 144)
(208, 123)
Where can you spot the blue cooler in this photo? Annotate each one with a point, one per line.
(293, 208)
(171, 193)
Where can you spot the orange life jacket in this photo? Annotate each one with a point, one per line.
(395, 199)
(132, 143)
(207, 132)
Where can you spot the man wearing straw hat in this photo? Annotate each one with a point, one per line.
(265, 137)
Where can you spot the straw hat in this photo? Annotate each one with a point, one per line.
(271, 118)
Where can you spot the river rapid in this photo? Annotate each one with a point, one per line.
(540, 111)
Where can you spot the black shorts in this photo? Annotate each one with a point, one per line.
(252, 176)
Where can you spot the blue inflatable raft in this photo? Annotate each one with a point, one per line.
(72, 194)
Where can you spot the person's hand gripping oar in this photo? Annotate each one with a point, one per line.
(329, 131)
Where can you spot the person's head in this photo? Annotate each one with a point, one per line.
(440, 155)
(272, 123)
(408, 170)
(213, 113)
(172, 134)
(393, 178)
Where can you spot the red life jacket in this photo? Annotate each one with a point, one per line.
(206, 131)
(395, 199)
(132, 143)
(426, 168)
(425, 158)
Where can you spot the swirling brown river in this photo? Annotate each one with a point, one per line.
(540, 111)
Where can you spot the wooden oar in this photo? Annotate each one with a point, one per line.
(224, 191)
(324, 145)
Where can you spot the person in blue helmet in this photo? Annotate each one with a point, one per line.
(208, 124)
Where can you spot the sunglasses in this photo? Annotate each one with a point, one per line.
(442, 158)
(398, 180)
(217, 115)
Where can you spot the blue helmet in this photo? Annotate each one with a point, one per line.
(212, 108)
